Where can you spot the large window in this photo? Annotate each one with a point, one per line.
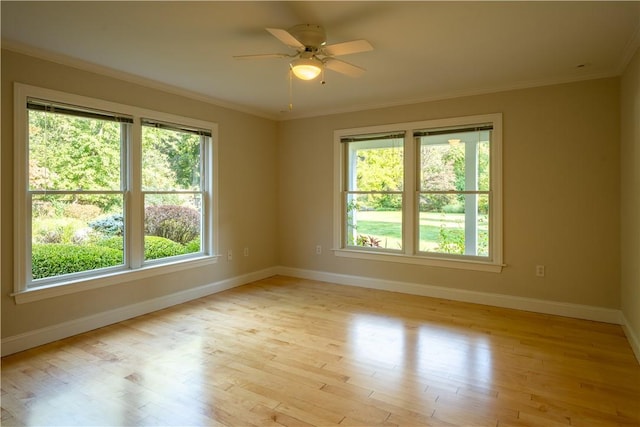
(104, 189)
(423, 193)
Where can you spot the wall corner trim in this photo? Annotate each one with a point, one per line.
(27, 340)
(632, 337)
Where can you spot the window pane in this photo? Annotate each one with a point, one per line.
(73, 153)
(370, 227)
(172, 225)
(170, 159)
(75, 233)
(454, 228)
(375, 165)
(455, 161)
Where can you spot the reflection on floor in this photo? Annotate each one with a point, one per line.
(295, 352)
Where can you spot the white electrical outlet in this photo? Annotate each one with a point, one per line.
(318, 249)
(229, 255)
(246, 251)
(540, 270)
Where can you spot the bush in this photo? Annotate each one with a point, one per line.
(56, 259)
(453, 208)
(115, 242)
(83, 212)
(112, 225)
(192, 246)
(154, 247)
(56, 230)
(158, 247)
(178, 223)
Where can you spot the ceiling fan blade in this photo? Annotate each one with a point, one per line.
(285, 37)
(343, 67)
(347, 48)
(263, 56)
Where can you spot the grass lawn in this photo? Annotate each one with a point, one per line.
(387, 226)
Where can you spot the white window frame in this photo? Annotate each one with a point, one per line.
(409, 253)
(135, 267)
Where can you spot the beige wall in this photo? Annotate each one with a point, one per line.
(247, 175)
(561, 193)
(630, 195)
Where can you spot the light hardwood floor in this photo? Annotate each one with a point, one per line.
(293, 352)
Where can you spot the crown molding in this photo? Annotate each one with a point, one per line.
(82, 65)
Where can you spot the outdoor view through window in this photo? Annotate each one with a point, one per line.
(81, 218)
(424, 192)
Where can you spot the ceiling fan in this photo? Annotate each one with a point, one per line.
(312, 53)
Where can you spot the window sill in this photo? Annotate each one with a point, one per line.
(461, 264)
(85, 284)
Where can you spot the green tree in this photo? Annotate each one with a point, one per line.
(74, 153)
(381, 169)
(172, 155)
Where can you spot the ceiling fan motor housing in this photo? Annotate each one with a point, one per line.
(310, 35)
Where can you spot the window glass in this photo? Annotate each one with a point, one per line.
(375, 179)
(75, 192)
(454, 188)
(172, 187)
(102, 191)
(424, 193)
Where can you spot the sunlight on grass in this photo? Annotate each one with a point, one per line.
(387, 226)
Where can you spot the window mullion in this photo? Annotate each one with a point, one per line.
(471, 201)
(134, 219)
(410, 222)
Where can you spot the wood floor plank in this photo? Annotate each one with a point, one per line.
(292, 352)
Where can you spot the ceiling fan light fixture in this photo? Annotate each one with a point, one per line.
(306, 68)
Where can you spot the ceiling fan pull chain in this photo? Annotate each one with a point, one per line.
(290, 89)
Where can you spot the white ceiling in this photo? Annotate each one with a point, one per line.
(422, 50)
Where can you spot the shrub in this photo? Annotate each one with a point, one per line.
(56, 259)
(154, 247)
(370, 241)
(192, 246)
(83, 212)
(453, 208)
(450, 240)
(178, 223)
(114, 242)
(158, 247)
(112, 225)
(55, 230)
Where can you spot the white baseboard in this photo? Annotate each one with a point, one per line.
(631, 337)
(52, 333)
(578, 311)
(16, 343)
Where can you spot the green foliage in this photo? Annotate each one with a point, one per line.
(450, 241)
(73, 153)
(156, 247)
(192, 246)
(453, 208)
(55, 259)
(171, 159)
(380, 169)
(115, 242)
(56, 230)
(178, 223)
(159, 247)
